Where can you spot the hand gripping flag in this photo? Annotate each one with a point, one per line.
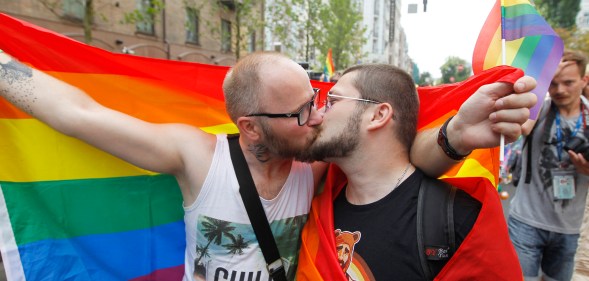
(515, 34)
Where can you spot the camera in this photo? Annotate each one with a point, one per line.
(578, 145)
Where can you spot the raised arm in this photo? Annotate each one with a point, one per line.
(67, 109)
(493, 110)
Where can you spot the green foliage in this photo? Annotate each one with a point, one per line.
(295, 24)
(56, 7)
(425, 79)
(455, 70)
(147, 15)
(309, 27)
(344, 33)
(245, 17)
(559, 13)
(575, 39)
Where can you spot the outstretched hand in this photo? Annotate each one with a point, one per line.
(493, 110)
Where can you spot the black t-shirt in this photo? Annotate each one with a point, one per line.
(383, 235)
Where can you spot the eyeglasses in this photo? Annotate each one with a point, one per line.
(302, 114)
(329, 101)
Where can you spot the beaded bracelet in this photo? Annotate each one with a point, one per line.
(445, 145)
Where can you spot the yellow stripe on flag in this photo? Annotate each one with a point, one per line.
(49, 155)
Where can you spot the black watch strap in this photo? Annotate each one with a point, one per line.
(445, 145)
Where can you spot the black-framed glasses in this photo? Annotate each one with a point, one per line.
(329, 101)
(302, 114)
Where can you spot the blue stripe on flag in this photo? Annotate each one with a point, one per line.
(113, 256)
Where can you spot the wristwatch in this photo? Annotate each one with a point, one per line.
(445, 145)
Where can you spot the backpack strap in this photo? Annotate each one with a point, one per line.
(255, 211)
(435, 223)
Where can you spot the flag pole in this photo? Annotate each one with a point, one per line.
(502, 139)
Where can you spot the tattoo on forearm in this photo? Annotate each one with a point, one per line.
(260, 151)
(20, 91)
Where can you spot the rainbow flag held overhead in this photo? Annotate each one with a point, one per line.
(529, 43)
(71, 212)
(329, 67)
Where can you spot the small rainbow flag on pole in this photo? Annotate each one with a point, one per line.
(515, 34)
(329, 68)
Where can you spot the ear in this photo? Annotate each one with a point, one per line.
(381, 116)
(249, 128)
(356, 236)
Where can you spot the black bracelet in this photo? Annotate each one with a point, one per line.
(445, 145)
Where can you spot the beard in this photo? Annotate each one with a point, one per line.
(280, 145)
(342, 144)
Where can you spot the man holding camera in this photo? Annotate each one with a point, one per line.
(547, 209)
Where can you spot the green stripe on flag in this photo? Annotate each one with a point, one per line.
(526, 52)
(519, 10)
(65, 209)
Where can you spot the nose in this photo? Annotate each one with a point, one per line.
(560, 88)
(316, 117)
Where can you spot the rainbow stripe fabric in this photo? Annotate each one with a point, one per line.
(329, 68)
(530, 44)
(71, 212)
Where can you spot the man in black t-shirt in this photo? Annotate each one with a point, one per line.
(375, 214)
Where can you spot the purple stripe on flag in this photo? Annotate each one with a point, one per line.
(539, 56)
(546, 74)
(526, 25)
(166, 274)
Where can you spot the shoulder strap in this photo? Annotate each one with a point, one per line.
(435, 223)
(255, 211)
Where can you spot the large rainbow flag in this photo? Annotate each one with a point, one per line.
(515, 34)
(71, 212)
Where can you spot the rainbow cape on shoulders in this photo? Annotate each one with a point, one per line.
(485, 254)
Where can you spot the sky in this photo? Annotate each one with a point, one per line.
(447, 28)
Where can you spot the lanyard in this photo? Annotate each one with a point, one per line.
(559, 141)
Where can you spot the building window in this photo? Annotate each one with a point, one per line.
(145, 25)
(192, 26)
(225, 36)
(74, 9)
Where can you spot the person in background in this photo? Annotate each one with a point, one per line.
(582, 256)
(547, 210)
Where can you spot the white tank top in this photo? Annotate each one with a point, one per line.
(219, 236)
